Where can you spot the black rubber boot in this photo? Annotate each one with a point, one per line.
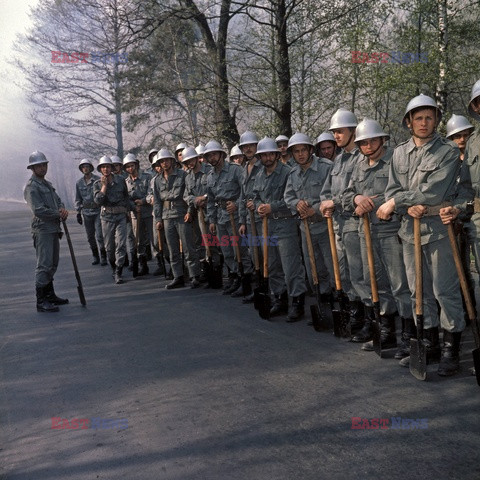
(249, 298)
(126, 262)
(408, 331)
(357, 315)
(450, 360)
(196, 282)
(52, 297)
(432, 344)
(159, 270)
(388, 337)
(143, 266)
(96, 256)
(245, 287)
(280, 305)
(103, 257)
(366, 333)
(43, 305)
(234, 285)
(297, 309)
(118, 275)
(178, 282)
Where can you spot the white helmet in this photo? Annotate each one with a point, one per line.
(456, 124)
(116, 159)
(281, 138)
(85, 161)
(189, 153)
(247, 138)
(343, 118)
(267, 145)
(151, 154)
(129, 158)
(369, 128)
(180, 146)
(36, 158)
(213, 146)
(473, 96)
(325, 137)
(235, 151)
(420, 101)
(162, 154)
(299, 139)
(200, 149)
(104, 161)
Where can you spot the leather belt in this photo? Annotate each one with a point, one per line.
(114, 210)
(222, 203)
(90, 205)
(434, 210)
(278, 215)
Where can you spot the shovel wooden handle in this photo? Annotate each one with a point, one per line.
(256, 256)
(265, 246)
(237, 246)
(418, 267)
(370, 257)
(333, 248)
(203, 230)
(311, 253)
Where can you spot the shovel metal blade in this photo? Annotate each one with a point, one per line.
(259, 293)
(476, 363)
(418, 359)
(214, 274)
(134, 266)
(319, 321)
(265, 304)
(377, 331)
(341, 324)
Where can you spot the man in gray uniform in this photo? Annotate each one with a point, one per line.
(422, 179)
(48, 210)
(342, 125)
(285, 268)
(365, 193)
(110, 192)
(88, 212)
(302, 196)
(138, 184)
(170, 211)
(224, 185)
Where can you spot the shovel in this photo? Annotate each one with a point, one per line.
(246, 287)
(264, 300)
(160, 250)
(341, 316)
(81, 295)
(256, 260)
(377, 341)
(468, 301)
(418, 350)
(213, 272)
(135, 253)
(320, 317)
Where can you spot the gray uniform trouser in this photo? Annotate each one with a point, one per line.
(177, 230)
(143, 235)
(353, 254)
(440, 281)
(323, 257)
(225, 229)
(392, 284)
(198, 241)
(251, 242)
(115, 238)
(47, 248)
(93, 227)
(285, 267)
(343, 264)
(472, 230)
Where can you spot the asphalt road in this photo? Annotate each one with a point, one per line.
(202, 388)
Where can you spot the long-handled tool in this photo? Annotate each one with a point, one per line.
(468, 301)
(247, 288)
(418, 350)
(160, 250)
(135, 253)
(264, 300)
(341, 316)
(256, 261)
(81, 295)
(320, 318)
(376, 324)
(213, 272)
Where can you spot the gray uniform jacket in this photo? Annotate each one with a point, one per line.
(223, 186)
(116, 196)
(196, 185)
(168, 196)
(369, 181)
(138, 190)
(247, 191)
(84, 202)
(335, 186)
(425, 175)
(44, 203)
(307, 185)
(472, 159)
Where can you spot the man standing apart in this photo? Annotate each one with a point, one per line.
(48, 210)
(422, 180)
(88, 211)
